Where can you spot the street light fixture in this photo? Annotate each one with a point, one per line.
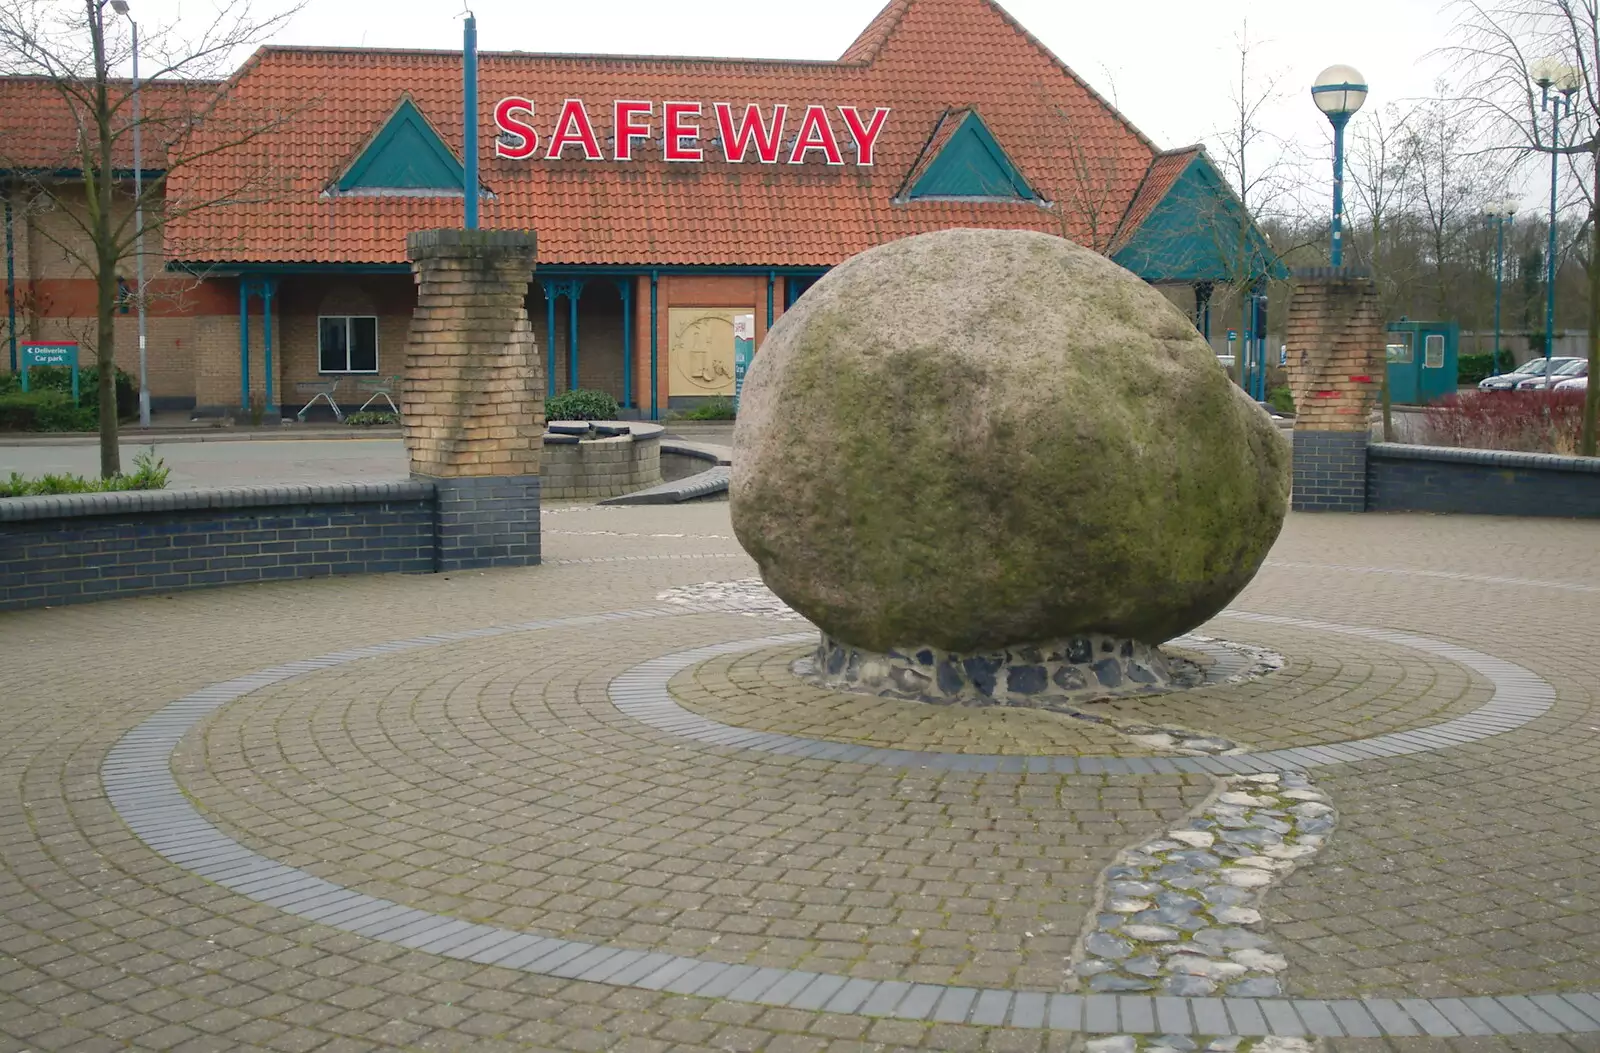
(1499, 214)
(1339, 92)
(1551, 74)
(121, 8)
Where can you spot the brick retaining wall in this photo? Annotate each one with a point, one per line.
(1480, 482)
(82, 547)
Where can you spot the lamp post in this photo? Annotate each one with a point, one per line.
(1499, 214)
(121, 8)
(1547, 75)
(1339, 92)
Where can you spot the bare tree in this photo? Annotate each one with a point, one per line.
(1507, 47)
(1260, 168)
(75, 48)
(1377, 169)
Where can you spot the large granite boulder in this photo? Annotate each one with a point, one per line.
(976, 439)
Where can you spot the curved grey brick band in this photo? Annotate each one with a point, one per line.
(1519, 696)
(138, 779)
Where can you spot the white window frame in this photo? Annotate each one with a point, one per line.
(377, 352)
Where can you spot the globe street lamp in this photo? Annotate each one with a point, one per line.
(1339, 92)
(1499, 214)
(121, 8)
(1564, 79)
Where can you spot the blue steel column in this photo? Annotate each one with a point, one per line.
(244, 345)
(266, 344)
(1550, 260)
(1338, 120)
(574, 291)
(625, 286)
(1499, 272)
(772, 277)
(469, 120)
(550, 338)
(655, 382)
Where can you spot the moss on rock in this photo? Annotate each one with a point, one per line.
(974, 439)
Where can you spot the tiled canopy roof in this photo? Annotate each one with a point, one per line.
(40, 123)
(920, 57)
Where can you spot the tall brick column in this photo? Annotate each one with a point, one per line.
(1336, 357)
(473, 395)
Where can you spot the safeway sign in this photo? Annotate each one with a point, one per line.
(743, 134)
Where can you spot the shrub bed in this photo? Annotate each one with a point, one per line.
(581, 404)
(150, 473)
(1525, 421)
(47, 404)
(717, 407)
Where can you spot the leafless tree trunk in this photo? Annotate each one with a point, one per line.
(76, 54)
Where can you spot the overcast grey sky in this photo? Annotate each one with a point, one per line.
(1169, 64)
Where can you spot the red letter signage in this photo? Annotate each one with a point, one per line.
(573, 127)
(736, 137)
(815, 134)
(740, 126)
(679, 129)
(866, 137)
(627, 129)
(509, 124)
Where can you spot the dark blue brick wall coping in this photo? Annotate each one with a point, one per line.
(126, 502)
(78, 548)
(1491, 458)
(1451, 481)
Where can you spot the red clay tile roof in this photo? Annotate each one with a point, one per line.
(920, 57)
(865, 48)
(1164, 171)
(39, 125)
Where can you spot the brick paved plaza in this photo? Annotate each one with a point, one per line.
(511, 840)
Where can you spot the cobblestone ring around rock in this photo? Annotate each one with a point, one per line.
(140, 785)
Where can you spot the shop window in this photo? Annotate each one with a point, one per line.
(347, 344)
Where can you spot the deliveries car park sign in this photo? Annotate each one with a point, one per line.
(743, 133)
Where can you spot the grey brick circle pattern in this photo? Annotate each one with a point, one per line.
(139, 782)
(1519, 696)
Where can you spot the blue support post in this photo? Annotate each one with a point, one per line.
(1339, 120)
(574, 291)
(550, 338)
(244, 345)
(1550, 259)
(266, 344)
(625, 286)
(772, 278)
(1499, 273)
(469, 122)
(655, 383)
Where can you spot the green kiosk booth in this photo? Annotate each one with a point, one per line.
(1422, 361)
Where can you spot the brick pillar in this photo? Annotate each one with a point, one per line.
(1336, 356)
(473, 395)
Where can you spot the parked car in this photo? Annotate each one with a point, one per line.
(1574, 384)
(1532, 368)
(1572, 367)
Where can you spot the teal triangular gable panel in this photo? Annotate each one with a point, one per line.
(406, 154)
(1199, 232)
(971, 164)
